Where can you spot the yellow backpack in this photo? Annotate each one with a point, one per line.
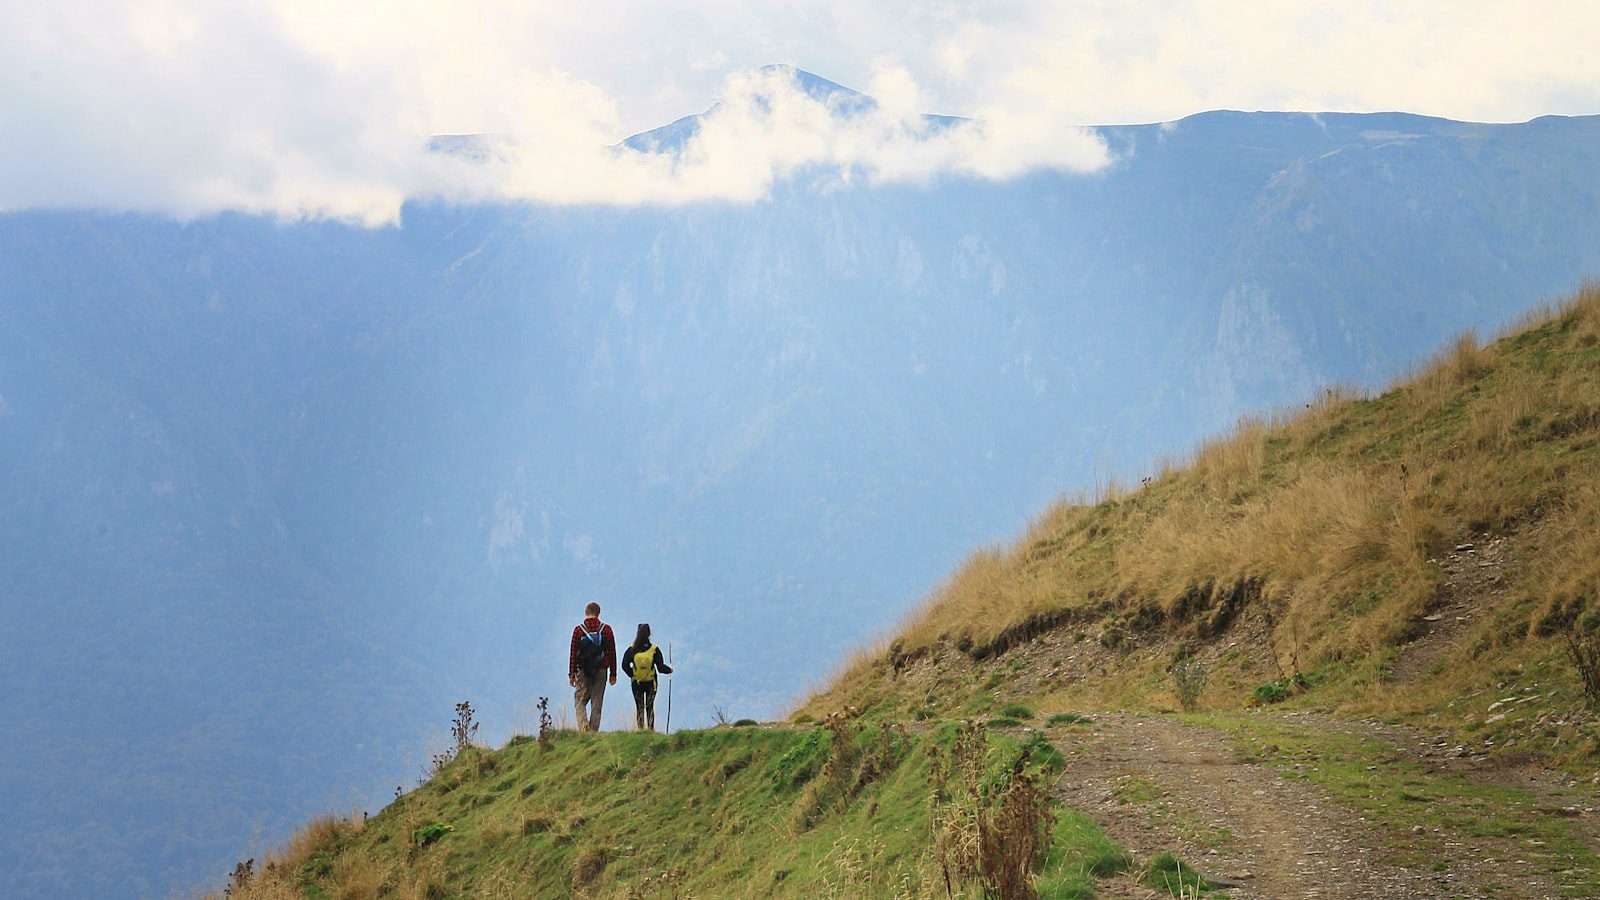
(644, 664)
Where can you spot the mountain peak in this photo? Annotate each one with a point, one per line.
(815, 86)
(841, 101)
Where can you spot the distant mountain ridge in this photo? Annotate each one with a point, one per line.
(671, 138)
(842, 101)
(305, 485)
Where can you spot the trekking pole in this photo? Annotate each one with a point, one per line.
(669, 689)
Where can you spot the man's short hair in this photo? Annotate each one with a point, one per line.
(593, 609)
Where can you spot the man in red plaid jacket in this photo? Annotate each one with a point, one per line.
(593, 655)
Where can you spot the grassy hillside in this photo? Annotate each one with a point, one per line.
(1413, 566)
(835, 810)
(1454, 517)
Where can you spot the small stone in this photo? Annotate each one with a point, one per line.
(1416, 829)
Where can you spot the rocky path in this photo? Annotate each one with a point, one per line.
(1473, 579)
(1159, 784)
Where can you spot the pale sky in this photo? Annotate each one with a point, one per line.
(319, 107)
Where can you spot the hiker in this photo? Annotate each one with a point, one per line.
(594, 654)
(642, 662)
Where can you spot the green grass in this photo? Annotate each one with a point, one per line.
(1079, 853)
(1279, 691)
(1173, 877)
(1067, 718)
(720, 812)
(1133, 789)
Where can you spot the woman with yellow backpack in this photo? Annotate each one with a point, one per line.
(642, 662)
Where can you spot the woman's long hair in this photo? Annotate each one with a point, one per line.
(641, 641)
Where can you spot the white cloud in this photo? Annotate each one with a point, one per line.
(717, 60)
(319, 108)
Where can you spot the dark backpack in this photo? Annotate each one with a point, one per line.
(591, 650)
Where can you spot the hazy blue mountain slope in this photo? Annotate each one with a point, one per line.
(273, 496)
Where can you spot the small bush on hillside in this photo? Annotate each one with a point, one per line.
(1067, 718)
(429, 833)
(1004, 722)
(923, 714)
(1016, 711)
(1188, 681)
(1583, 648)
(1280, 690)
(743, 723)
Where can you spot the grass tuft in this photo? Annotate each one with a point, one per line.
(1173, 877)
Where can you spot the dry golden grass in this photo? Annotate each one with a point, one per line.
(1224, 462)
(1335, 511)
(265, 888)
(426, 882)
(979, 584)
(359, 877)
(320, 833)
(274, 875)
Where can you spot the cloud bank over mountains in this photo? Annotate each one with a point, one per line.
(765, 126)
(323, 109)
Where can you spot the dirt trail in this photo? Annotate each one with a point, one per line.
(1157, 784)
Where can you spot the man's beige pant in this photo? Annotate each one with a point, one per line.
(590, 692)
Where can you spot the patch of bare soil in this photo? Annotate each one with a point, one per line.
(1157, 784)
(1474, 576)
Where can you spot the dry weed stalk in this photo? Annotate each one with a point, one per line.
(991, 831)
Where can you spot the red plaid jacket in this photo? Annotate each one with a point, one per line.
(608, 644)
